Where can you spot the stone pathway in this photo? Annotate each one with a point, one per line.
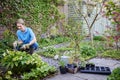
(50, 61)
(84, 76)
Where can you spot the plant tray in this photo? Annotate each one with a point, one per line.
(96, 70)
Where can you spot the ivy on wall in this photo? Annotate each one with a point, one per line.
(37, 13)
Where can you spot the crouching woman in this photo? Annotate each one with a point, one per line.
(26, 38)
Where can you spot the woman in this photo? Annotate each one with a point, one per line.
(26, 38)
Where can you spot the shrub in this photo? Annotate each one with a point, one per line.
(115, 75)
(115, 54)
(49, 52)
(99, 38)
(87, 51)
(28, 66)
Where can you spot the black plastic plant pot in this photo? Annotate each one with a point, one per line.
(63, 70)
(72, 68)
(82, 68)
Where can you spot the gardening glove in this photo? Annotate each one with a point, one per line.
(25, 46)
(15, 44)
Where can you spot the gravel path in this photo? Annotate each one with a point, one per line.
(51, 61)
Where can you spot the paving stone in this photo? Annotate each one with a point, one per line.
(89, 76)
(106, 62)
(79, 76)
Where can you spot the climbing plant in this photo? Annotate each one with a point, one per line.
(38, 14)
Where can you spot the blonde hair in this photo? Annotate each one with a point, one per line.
(21, 21)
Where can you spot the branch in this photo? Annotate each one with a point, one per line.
(93, 21)
(86, 21)
(97, 15)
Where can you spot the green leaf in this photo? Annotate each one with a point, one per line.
(16, 64)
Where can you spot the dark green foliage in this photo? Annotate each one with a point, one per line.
(37, 13)
(51, 41)
(49, 52)
(100, 46)
(26, 65)
(115, 75)
(44, 42)
(1, 53)
(115, 54)
(60, 39)
(9, 38)
(99, 38)
(7, 42)
(87, 51)
(62, 63)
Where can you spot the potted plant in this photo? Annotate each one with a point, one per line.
(90, 65)
(62, 67)
(72, 68)
(82, 65)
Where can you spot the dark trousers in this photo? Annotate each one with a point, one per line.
(29, 51)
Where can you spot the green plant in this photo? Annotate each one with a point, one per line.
(87, 52)
(115, 75)
(3, 48)
(38, 14)
(7, 42)
(90, 64)
(45, 42)
(39, 72)
(62, 63)
(9, 38)
(62, 67)
(100, 46)
(60, 39)
(99, 38)
(49, 52)
(75, 34)
(115, 54)
(22, 64)
(83, 64)
(56, 40)
(18, 62)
